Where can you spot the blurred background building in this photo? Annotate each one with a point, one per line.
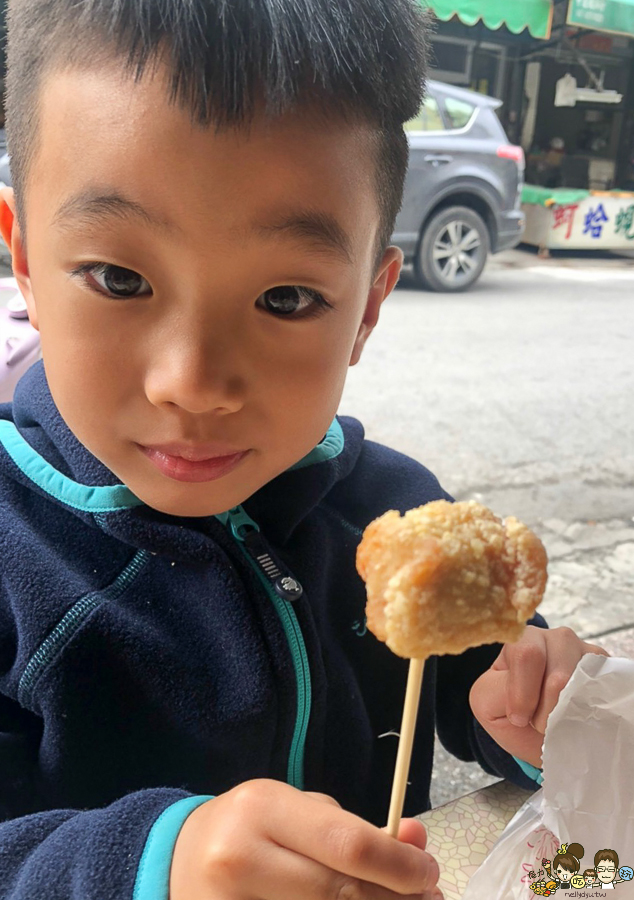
(526, 52)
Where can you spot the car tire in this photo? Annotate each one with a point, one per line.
(452, 250)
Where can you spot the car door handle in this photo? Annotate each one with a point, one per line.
(437, 159)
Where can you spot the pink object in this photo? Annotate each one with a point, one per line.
(510, 151)
(19, 341)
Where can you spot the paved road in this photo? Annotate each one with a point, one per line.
(519, 394)
(520, 391)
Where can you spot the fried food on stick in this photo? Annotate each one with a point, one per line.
(440, 579)
(448, 576)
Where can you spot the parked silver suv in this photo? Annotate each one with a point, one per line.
(462, 192)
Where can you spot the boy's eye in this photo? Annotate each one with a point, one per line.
(114, 280)
(287, 300)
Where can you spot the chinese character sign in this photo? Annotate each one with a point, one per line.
(593, 222)
(598, 221)
(625, 222)
(565, 215)
(603, 14)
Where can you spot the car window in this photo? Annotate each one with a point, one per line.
(459, 112)
(428, 119)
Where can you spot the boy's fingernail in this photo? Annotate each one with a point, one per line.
(519, 721)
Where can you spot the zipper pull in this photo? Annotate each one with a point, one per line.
(284, 583)
(245, 530)
(241, 524)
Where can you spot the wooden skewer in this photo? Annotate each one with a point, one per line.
(406, 741)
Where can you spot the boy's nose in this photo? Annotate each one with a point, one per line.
(196, 375)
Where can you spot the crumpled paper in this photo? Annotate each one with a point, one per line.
(587, 795)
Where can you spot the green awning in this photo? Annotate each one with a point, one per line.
(607, 15)
(541, 196)
(536, 15)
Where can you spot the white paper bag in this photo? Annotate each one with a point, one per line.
(587, 796)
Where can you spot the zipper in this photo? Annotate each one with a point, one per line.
(283, 589)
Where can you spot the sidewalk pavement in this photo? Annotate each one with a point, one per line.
(525, 256)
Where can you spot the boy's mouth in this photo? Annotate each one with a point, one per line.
(194, 464)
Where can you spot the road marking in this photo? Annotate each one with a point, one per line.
(593, 274)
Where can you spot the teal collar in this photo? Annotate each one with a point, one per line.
(118, 497)
(329, 448)
(78, 496)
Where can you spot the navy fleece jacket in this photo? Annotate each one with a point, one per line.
(150, 662)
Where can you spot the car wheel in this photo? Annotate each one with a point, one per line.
(452, 251)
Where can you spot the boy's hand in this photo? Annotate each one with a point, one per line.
(265, 840)
(514, 698)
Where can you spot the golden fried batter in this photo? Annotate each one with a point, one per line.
(448, 576)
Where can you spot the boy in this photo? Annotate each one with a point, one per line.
(189, 703)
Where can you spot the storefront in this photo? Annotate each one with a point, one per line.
(576, 110)
(565, 72)
(565, 219)
(520, 51)
(478, 44)
(578, 131)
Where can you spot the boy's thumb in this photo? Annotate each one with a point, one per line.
(411, 831)
(323, 798)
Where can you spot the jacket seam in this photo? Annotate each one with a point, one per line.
(71, 622)
(347, 524)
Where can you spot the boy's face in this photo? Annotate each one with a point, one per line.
(183, 323)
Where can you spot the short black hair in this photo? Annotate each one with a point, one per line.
(361, 59)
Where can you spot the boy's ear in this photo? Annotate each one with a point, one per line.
(6, 215)
(12, 235)
(389, 271)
